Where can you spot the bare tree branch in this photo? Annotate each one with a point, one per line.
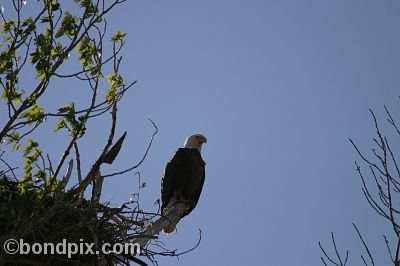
(144, 156)
(339, 262)
(364, 244)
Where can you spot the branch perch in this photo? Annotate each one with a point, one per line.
(174, 214)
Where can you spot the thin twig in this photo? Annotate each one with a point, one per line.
(364, 244)
(144, 156)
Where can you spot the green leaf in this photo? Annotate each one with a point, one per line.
(7, 25)
(31, 145)
(68, 25)
(35, 113)
(14, 146)
(66, 108)
(17, 100)
(27, 22)
(111, 95)
(86, 51)
(118, 36)
(55, 5)
(59, 125)
(45, 19)
(116, 82)
(13, 138)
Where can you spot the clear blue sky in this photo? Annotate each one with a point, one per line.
(277, 87)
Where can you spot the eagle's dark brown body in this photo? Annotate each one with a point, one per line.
(183, 180)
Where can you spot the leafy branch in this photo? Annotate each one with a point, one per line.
(42, 204)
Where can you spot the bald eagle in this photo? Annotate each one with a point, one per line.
(183, 178)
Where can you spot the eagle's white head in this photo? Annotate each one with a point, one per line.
(195, 141)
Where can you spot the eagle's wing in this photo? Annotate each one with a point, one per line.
(199, 186)
(170, 179)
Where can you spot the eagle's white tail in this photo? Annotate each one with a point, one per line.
(169, 229)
